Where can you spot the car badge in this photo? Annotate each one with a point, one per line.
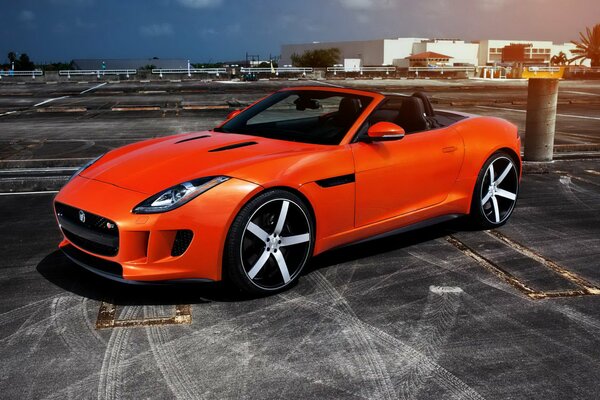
(81, 216)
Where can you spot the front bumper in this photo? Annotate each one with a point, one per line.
(145, 243)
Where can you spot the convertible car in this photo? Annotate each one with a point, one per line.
(302, 171)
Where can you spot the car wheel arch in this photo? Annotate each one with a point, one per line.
(264, 190)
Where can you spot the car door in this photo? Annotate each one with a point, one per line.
(401, 176)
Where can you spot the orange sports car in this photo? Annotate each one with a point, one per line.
(302, 171)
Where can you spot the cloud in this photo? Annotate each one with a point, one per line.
(200, 3)
(156, 30)
(365, 4)
(26, 16)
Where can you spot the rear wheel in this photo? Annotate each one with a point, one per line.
(496, 191)
(269, 242)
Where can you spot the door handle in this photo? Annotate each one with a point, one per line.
(449, 149)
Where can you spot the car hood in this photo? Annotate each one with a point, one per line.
(153, 165)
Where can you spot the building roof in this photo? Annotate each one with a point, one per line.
(428, 55)
(131, 63)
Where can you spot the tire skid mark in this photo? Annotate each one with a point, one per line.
(215, 335)
(220, 335)
(91, 325)
(66, 325)
(486, 279)
(365, 349)
(523, 328)
(28, 328)
(109, 384)
(384, 282)
(23, 311)
(174, 372)
(438, 318)
(590, 324)
(315, 324)
(77, 390)
(567, 188)
(443, 377)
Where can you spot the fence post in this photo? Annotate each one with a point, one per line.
(542, 96)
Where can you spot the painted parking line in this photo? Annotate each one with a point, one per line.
(50, 100)
(524, 111)
(583, 93)
(93, 88)
(107, 317)
(36, 170)
(585, 288)
(28, 193)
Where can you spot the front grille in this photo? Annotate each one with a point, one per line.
(182, 241)
(95, 234)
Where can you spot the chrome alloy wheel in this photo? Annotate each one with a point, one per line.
(275, 244)
(499, 190)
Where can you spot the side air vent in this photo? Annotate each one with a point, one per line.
(192, 138)
(233, 146)
(182, 241)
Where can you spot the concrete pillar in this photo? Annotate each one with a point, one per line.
(542, 96)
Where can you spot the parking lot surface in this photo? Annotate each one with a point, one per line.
(443, 312)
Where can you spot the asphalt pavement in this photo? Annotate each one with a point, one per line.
(444, 312)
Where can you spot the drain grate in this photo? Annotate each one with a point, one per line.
(106, 318)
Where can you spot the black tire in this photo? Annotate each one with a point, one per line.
(257, 258)
(496, 191)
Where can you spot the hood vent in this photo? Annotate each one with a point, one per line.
(232, 146)
(192, 138)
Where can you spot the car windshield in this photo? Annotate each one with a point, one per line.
(307, 116)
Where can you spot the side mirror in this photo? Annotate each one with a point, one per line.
(382, 131)
(233, 114)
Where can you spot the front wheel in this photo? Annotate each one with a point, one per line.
(269, 242)
(496, 192)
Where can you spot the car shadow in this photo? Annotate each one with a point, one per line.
(387, 244)
(62, 272)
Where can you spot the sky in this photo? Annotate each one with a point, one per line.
(224, 30)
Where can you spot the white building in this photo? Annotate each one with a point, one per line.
(395, 51)
(370, 52)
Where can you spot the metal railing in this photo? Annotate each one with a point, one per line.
(361, 70)
(189, 71)
(543, 69)
(582, 70)
(442, 69)
(98, 72)
(32, 74)
(276, 71)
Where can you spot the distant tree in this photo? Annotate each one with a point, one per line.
(319, 58)
(12, 57)
(25, 64)
(588, 47)
(560, 59)
(208, 65)
(148, 67)
(58, 66)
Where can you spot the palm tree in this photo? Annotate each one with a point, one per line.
(589, 47)
(560, 59)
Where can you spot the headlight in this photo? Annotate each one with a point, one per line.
(178, 195)
(85, 166)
